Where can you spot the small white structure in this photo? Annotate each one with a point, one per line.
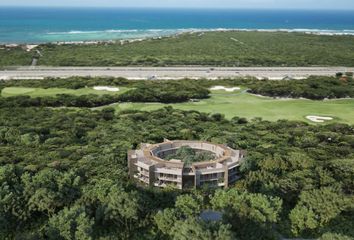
(232, 89)
(105, 88)
(319, 119)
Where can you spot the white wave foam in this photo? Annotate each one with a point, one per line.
(72, 32)
(154, 30)
(94, 32)
(183, 30)
(121, 31)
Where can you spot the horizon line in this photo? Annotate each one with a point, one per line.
(178, 8)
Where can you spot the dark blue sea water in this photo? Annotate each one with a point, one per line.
(37, 25)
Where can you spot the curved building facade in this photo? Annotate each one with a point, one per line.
(148, 166)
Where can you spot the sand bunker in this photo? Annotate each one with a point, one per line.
(236, 40)
(225, 88)
(30, 47)
(318, 119)
(104, 88)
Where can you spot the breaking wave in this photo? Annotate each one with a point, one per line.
(128, 34)
(131, 31)
(93, 32)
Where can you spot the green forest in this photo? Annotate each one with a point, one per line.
(231, 48)
(64, 173)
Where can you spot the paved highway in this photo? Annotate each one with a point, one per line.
(171, 72)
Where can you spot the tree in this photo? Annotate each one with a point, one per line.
(114, 206)
(244, 205)
(12, 202)
(166, 219)
(334, 236)
(121, 204)
(183, 222)
(316, 208)
(108, 113)
(196, 229)
(50, 189)
(251, 215)
(343, 171)
(189, 205)
(189, 155)
(70, 224)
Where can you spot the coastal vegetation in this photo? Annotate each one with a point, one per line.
(231, 48)
(316, 88)
(63, 175)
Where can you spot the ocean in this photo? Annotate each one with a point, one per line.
(41, 25)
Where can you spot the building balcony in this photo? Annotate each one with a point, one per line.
(211, 170)
(178, 180)
(211, 179)
(233, 165)
(169, 171)
(142, 165)
(145, 174)
(142, 178)
(163, 185)
(188, 173)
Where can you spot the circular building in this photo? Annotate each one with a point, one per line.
(185, 164)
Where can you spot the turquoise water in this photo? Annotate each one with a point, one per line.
(38, 25)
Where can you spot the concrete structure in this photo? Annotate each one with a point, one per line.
(148, 166)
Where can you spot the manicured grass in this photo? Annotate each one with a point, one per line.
(249, 106)
(238, 103)
(41, 92)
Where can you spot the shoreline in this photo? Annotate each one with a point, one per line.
(172, 33)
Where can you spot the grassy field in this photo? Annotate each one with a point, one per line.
(41, 92)
(231, 104)
(249, 106)
(212, 48)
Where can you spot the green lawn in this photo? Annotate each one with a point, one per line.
(41, 92)
(249, 106)
(238, 103)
